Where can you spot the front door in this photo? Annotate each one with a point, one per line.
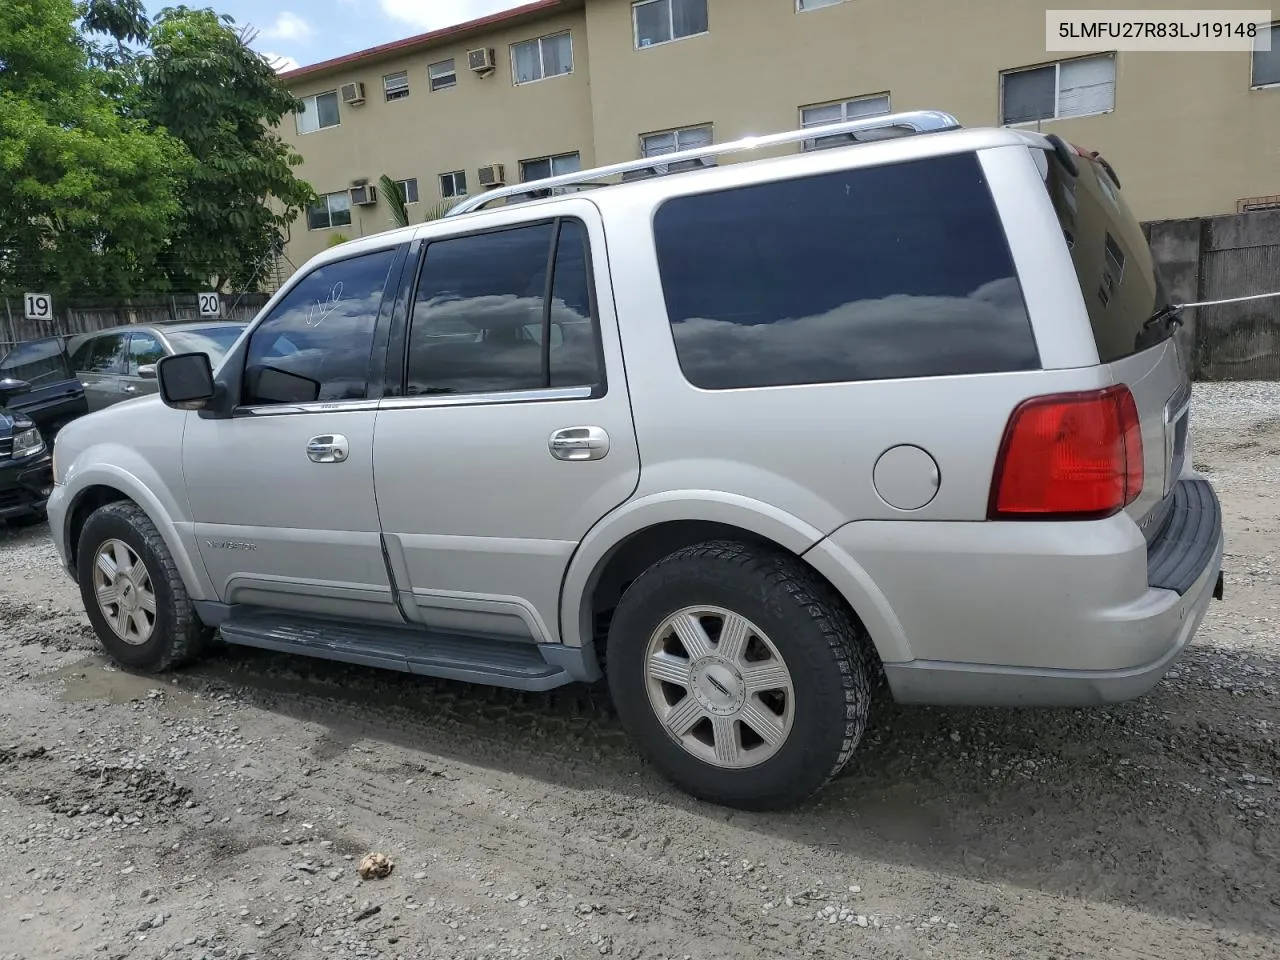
(282, 493)
(99, 362)
(139, 376)
(506, 440)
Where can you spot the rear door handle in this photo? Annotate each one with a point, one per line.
(579, 443)
(328, 448)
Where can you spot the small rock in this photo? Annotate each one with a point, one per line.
(157, 921)
(420, 875)
(376, 866)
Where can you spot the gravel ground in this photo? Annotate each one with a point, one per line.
(224, 811)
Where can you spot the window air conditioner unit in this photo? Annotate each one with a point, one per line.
(493, 175)
(481, 60)
(353, 93)
(363, 193)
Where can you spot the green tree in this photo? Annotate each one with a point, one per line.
(201, 82)
(87, 197)
(397, 203)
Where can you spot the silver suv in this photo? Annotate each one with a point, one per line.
(745, 440)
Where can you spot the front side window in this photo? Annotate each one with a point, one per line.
(442, 75)
(214, 342)
(453, 184)
(396, 85)
(545, 57)
(670, 141)
(1266, 63)
(900, 270)
(316, 343)
(333, 210)
(482, 313)
(661, 21)
(103, 355)
(144, 349)
(1071, 88)
(824, 113)
(318, 112)
(545, 167)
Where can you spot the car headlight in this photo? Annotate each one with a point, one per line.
(27, 443)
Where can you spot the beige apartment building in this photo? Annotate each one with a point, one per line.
(560, 84)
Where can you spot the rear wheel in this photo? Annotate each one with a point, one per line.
(132, 591)
(739, 674)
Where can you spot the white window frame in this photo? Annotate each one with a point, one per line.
(452, 72)
(1057, 90)
(677, 131)
(542, 67)
(452, 176)
(671, 20)
(551, 165)
(808, 145)
(404, 189)
(329, 209)
(815, 5)
(401, 89)
(1274, 84)
(313, 101)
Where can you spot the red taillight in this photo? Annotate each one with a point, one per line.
(1070, 455)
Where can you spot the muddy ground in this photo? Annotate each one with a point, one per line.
(223, 811)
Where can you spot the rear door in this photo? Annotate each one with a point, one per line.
(1122, 291)
(99, 362)
(506, 430)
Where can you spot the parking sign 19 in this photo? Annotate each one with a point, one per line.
(210, 304)
(37, 306)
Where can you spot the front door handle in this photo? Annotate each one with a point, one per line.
(579, 443)
(129, 388)
(329, 448)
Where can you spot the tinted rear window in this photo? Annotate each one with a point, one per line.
(894, 271)
(1119, 280)
(39, 362)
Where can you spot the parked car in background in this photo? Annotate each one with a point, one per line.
(26, 473)
(120, 363)
(55, 395)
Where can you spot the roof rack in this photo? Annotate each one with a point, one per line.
(910, 123)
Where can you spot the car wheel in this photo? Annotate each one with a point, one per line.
(739, 674)
(133, 593)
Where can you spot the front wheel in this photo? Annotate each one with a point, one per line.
(739, 674)
(133, 593)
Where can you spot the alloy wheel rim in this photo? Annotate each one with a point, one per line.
(126, 596)
(719, 687)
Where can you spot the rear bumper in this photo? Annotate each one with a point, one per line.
(1012, 614)
(25, 485)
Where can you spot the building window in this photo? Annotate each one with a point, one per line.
(409, 189)
(671, 141)
(453, 184)
(1070, 88)
(544, 167)
(661, 21)
(806, 5)
(442, 75)
(396, 85)
(824, 113)
(1266, 63)
(318, 112)
(333, 210)
(545, 57)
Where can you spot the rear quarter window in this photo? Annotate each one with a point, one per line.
(886, 272)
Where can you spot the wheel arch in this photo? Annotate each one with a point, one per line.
(109, 483)
(625, 544)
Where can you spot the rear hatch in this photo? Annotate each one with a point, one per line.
(1123, 291)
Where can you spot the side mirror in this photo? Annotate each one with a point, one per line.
(147, 371)
(185, 380)
(10, 388)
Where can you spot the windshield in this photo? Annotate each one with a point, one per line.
(39, 362)
(213, 341)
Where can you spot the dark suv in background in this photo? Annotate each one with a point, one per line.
(26, 474)
(54, 395)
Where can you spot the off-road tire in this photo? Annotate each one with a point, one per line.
(826, 651)
(178, 636)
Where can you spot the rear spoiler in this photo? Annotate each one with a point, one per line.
(1067, 153)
